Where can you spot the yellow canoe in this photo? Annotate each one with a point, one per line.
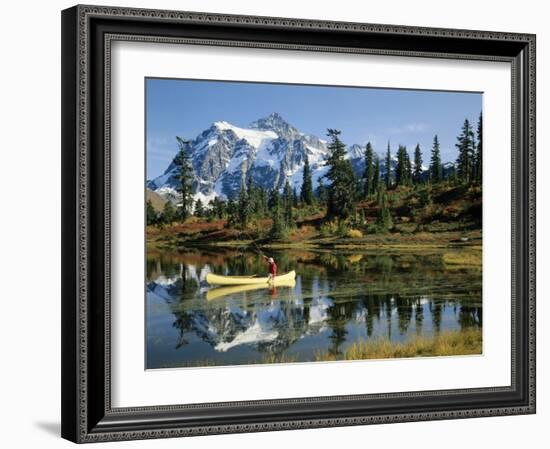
(220, 292)
(216, 279)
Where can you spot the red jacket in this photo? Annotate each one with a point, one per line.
(273, 269)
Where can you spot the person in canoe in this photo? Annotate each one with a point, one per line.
(272, 268)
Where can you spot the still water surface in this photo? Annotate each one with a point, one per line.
(339, 298)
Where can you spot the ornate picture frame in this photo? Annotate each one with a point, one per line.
(87, 35)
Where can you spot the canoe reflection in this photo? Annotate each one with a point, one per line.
(220, 292)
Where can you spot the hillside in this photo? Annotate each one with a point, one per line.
(157, 200)
(431, 216)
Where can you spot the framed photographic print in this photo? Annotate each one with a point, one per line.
(276, 224)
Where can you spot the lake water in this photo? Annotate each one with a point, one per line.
(339, 298)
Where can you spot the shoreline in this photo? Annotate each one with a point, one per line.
(174, 238)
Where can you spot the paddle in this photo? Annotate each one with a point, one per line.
(258, 249)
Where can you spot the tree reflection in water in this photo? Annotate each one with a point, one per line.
(338, 299)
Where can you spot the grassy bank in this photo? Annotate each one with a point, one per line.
(195, 234)
(449, 343)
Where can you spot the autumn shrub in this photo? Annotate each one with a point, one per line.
(355, 234)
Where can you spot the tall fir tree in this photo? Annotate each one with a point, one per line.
(306, 194)
(262, 200)
(199, 208)
(278, 226)
(417, 174)
(185, 178)
(403, 168)
(387, 175)
(376, 175)
(479, 149)
(342, 188)
(436, 169)
(466, 147)
(408, 166)
(287, 204)
(368, 175)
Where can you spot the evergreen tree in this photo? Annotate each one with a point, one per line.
(168, 213)
(341, 192)
(185, 179)
(387, 176)
(436, 169)
(403, 168)
(384, 219)
(295, 198)
(306, 194)
(399, 168)
(272, 200)
(466, 147)
(452, 175)
(408, 166)
(243, 209)
(479, 149)
(417, 175)
(262, 201)
(199, 208)
(151, 214)
(217, 208)
(287, 204)
(376, 175)
(278, 226)
(369, 171)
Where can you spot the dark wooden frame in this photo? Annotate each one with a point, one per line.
(87, 32)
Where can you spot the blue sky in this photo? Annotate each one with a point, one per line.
(188, 107)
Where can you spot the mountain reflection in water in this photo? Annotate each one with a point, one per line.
(337, 300)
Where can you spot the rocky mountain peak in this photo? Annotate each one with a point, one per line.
(275, 122)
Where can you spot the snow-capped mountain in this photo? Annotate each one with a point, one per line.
(270, 151)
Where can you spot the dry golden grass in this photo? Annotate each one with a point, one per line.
(463, 258)
(272, 358)
(449, 343)
(355, 258)
(302, 233)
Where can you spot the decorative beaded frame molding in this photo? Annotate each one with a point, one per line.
(88, 31)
